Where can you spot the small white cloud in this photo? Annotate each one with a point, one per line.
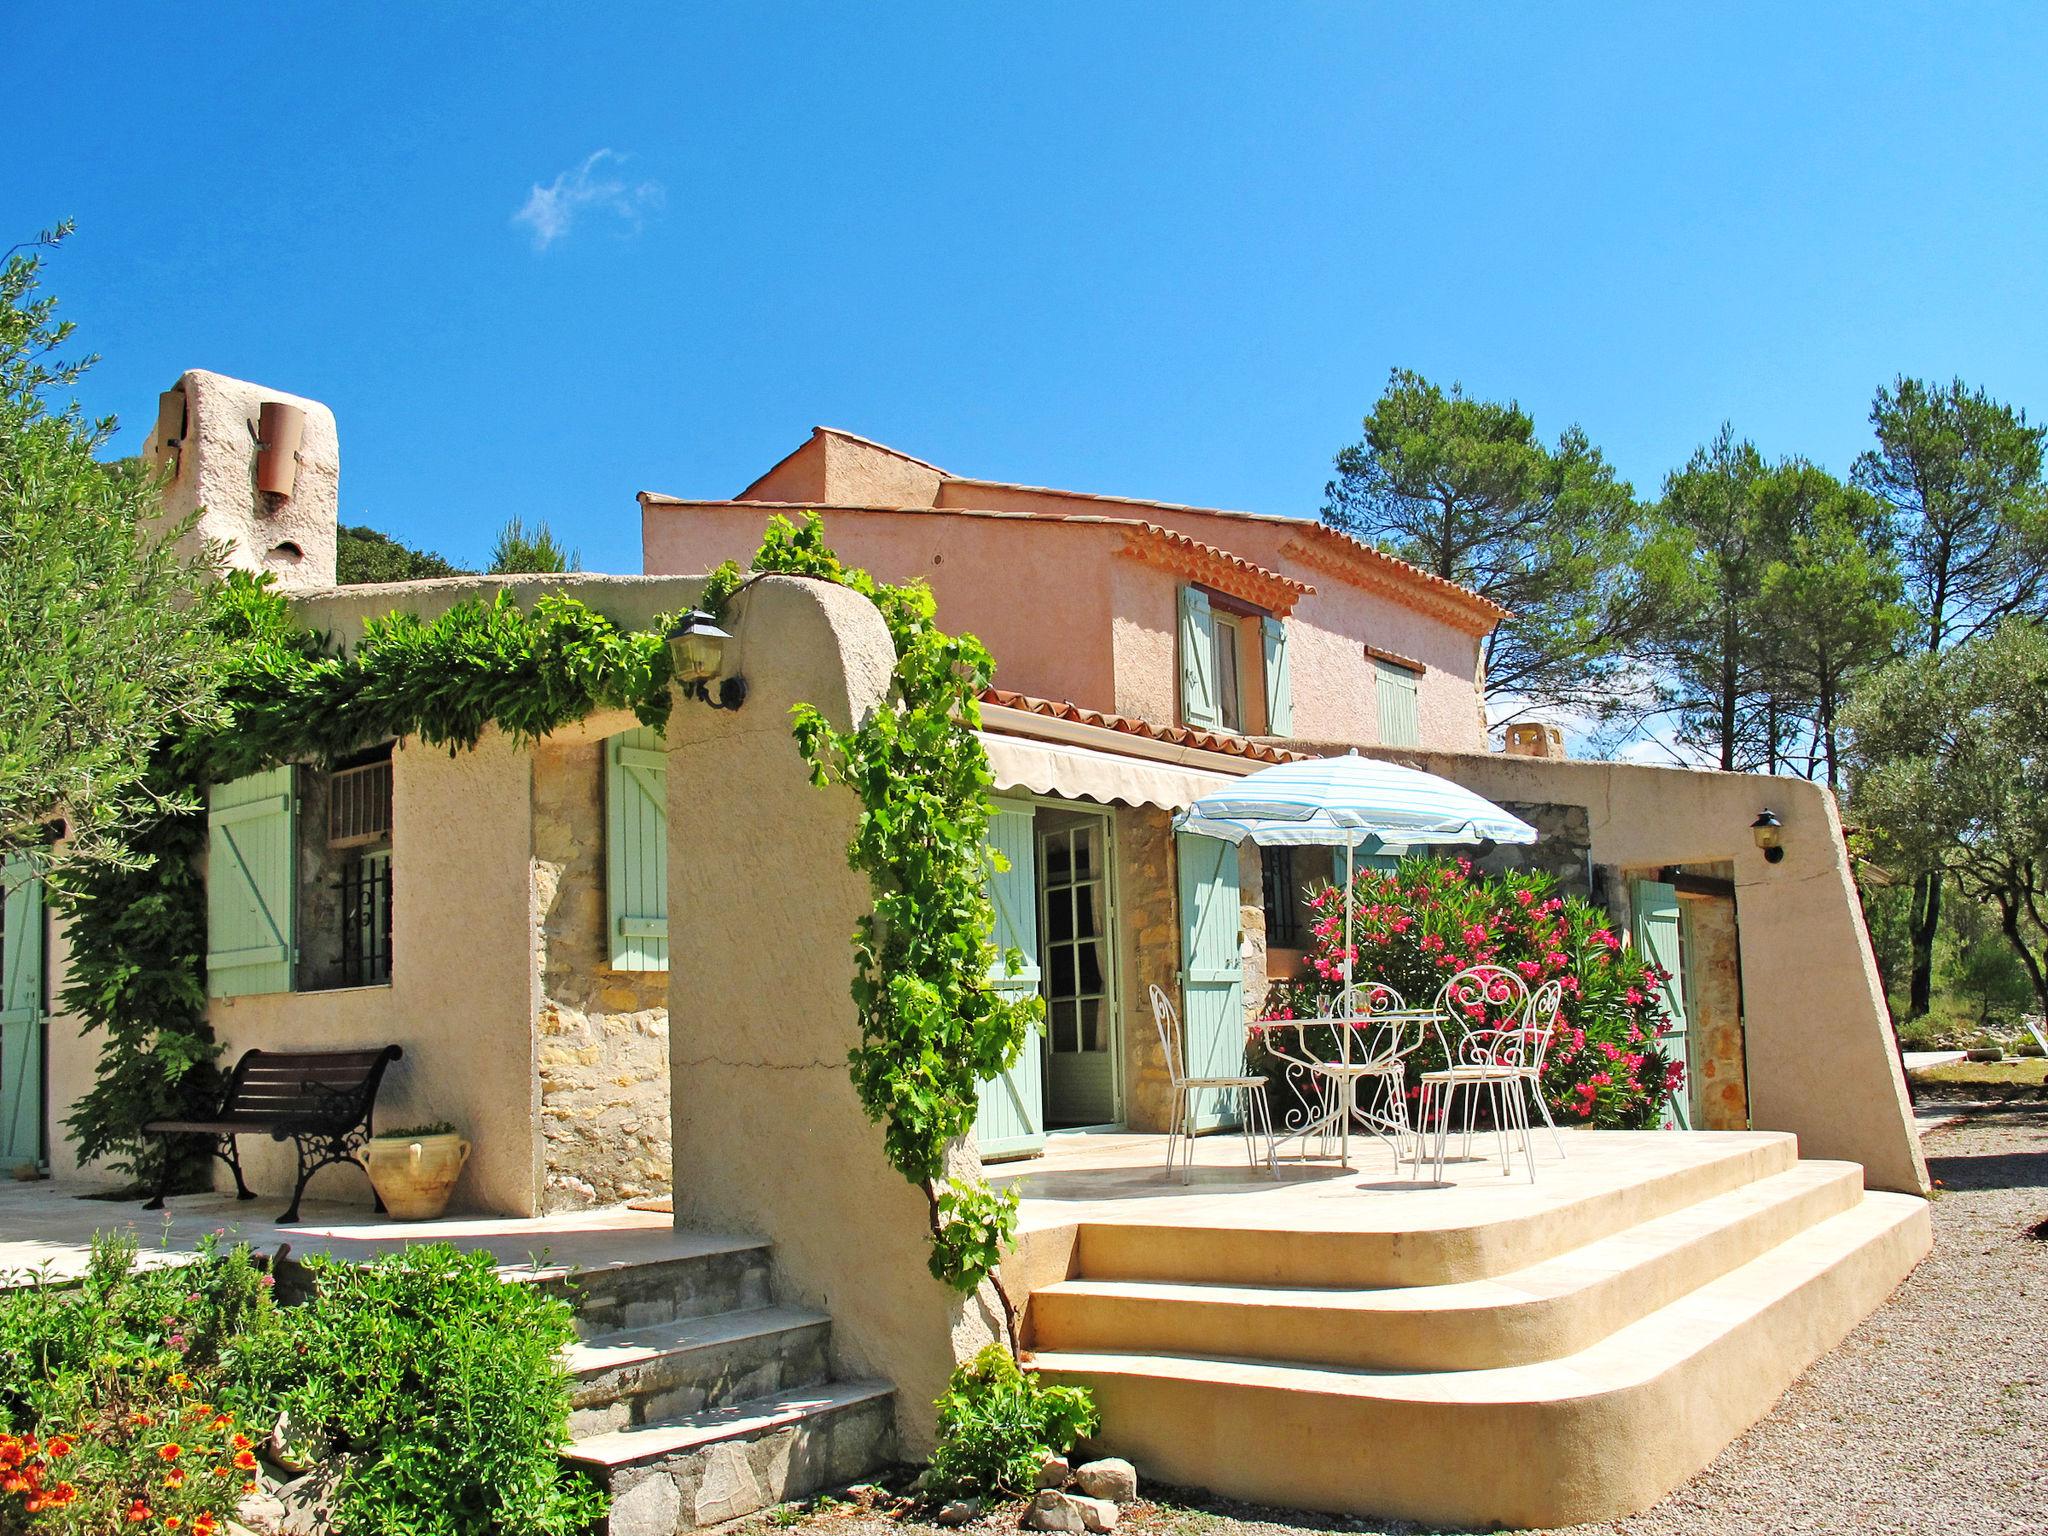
(595, 185)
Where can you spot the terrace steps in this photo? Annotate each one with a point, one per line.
(1572, 1360)
(697, 1400)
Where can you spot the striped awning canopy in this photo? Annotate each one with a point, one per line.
(1352, 801)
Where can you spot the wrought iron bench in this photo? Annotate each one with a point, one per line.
(319, 1100)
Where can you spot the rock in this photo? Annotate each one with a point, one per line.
(308, 1502)
(261, 1513)
(1053, 1471)
(1111, 1478)
(1052, 1510)
(958, 1511)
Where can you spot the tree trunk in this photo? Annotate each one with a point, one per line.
(1926, 922)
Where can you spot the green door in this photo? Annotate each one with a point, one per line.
(1212, 975)
(1659, 930)
(1011, 1120)
(21, 1016)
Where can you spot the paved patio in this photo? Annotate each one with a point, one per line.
(49, 1226)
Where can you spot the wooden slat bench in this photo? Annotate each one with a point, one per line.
(320, 1100)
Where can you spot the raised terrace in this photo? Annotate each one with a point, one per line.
(1353, 1341)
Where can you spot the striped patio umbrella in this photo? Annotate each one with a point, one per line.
(1353, 803)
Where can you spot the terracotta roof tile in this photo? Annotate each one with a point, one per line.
(1176, 735)
(1215, 567)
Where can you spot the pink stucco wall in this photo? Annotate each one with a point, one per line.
(1068, 617)
(1035, 593)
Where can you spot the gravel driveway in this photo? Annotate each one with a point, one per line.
(1932, 1417)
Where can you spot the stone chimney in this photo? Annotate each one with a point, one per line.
(261, 467)
(1533, 738)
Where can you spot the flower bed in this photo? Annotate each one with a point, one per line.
(1415, 927)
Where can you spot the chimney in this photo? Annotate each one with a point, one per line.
(1533, 738)
(261, 467)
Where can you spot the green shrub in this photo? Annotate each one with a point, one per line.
(997, 1421)
(439, 1385)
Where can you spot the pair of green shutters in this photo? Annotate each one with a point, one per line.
(251, 888)
(1200, 701)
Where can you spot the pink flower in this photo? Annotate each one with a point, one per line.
(1635, 997)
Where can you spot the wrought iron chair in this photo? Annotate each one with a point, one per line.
(1539, 1027)
(1255, 1116)
(1490, 1063)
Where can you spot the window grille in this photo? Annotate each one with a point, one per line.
(366, 920)
(359, 805)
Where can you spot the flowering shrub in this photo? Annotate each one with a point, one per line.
(156, 1458)
(1415, 927)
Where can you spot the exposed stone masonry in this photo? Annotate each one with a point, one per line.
(603, 1034)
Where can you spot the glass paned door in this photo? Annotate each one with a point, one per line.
(1074, 929)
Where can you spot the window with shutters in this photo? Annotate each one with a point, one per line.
(1234, 674)
(1400, 715)
(346, 872)
(636, 850)
(251, 894)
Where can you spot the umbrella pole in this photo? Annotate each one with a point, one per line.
(1351, 843)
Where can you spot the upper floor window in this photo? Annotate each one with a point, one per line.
(1399, 686)
(1233, 666)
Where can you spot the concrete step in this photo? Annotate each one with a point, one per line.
(705, 1468)
(1478, 1230)
(685, 1366)
(1553, 1308)
(714, 1275)
(1597, 1434)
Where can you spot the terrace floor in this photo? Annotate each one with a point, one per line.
(50, 1226)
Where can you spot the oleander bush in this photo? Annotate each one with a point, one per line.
(1416, 926)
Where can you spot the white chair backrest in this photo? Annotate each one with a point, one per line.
(1167, 1017)
(1477, 1002)
(1539, 1025)
(2037, 1026)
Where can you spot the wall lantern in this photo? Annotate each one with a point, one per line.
(696, 655)
(1769, 833)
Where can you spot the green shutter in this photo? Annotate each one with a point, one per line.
(1197, 660)
(1658, 927)
(250, 885)
(636, 849)
(21, 1016)
(1212, 974)
(1011, 1119)
(1279, 684)
(1400, 718)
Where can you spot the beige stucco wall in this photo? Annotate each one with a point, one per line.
(603, 1034)
(1821, 1057)
(463, 989)
(769, 1137)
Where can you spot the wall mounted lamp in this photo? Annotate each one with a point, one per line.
(696, 656)
(1769, 833)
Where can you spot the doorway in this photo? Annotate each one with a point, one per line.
(1077, 968)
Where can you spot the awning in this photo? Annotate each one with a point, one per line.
(1081, 773)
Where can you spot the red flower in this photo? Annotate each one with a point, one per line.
(170, 1452)
(138, 1512)
(58, 1447)
(246, 1460)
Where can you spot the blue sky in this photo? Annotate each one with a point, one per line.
(1168, 250)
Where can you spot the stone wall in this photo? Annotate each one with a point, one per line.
(1563, 846)
(603, 1050)
(1148, 912)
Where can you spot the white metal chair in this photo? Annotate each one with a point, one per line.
(1255, 1117)
(1489, 1064)
(1539, 1027)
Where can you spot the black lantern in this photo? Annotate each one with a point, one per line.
(1769, 833)
(696, 655)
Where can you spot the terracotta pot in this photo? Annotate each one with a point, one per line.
(415, 1176)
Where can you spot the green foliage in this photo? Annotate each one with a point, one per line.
(1950, 773)
(535, 551)
(932, 1028)
(137, 978)
(1417, 926)
(414, 1132)
(1466, 490)
(998, 1421)
(102, 622)
(363, 556)
(441, 1387)
(436, 1384)
(1780, 588)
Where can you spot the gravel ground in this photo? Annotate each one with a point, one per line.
(1931, 1417)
